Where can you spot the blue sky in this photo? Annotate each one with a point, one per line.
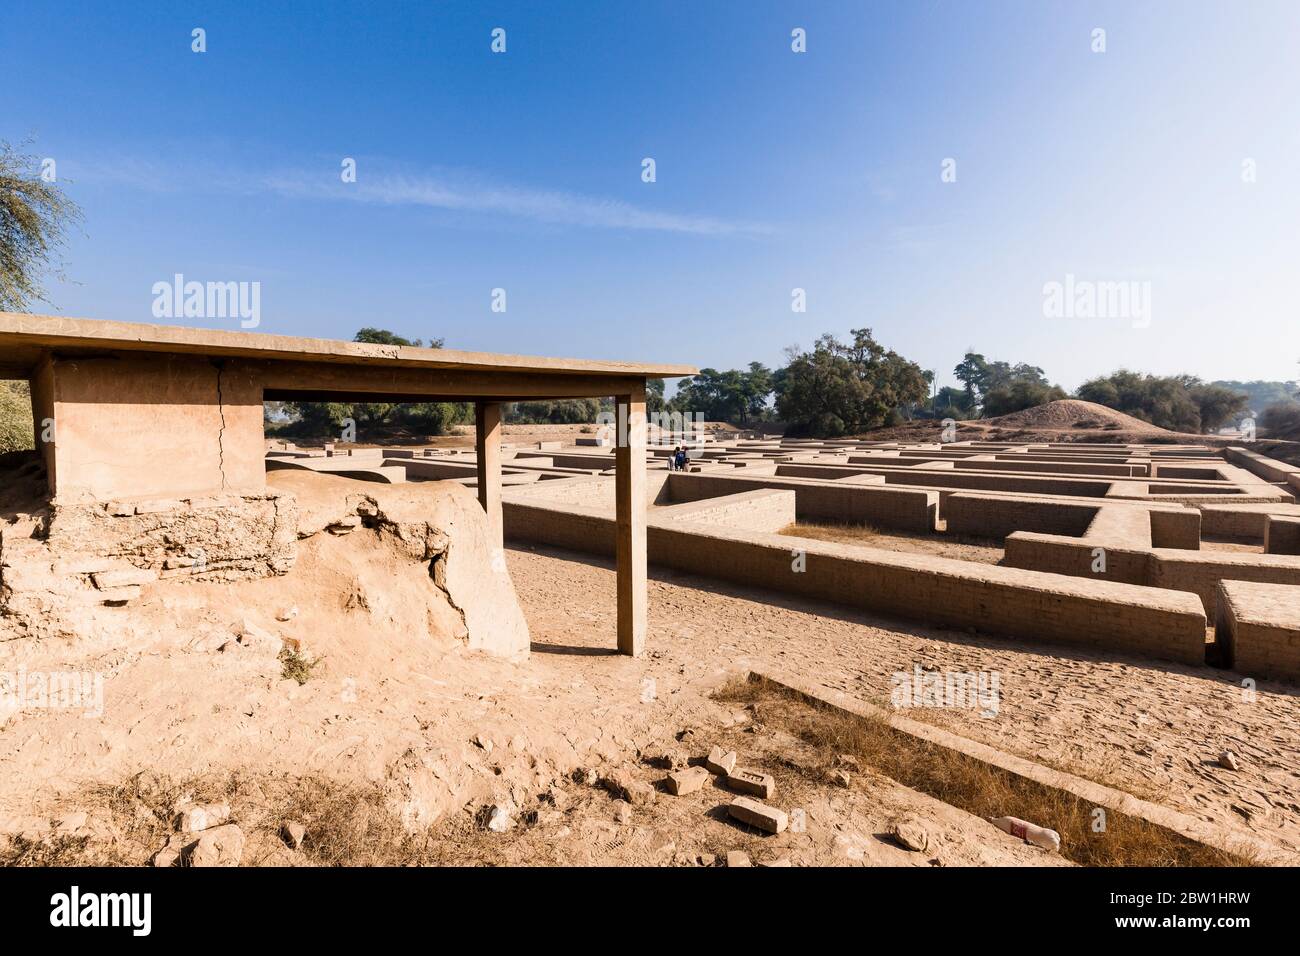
(775, 170)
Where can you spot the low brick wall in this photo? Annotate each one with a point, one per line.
(1282, 535)
(1246, 522)
(904, 509)
(1201, 572)
(1076, 557)
(768, 510)
(1198, 572)
(1098, 616)
(996, 517)
(1270, 469)
(1259, 626)
(1176, 529)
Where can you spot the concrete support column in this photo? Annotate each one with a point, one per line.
(630, 511)
(487, 448)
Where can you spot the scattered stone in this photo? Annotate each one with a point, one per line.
(287, 614)
(738, 858)
(220, 846)
(293, 834)
(672, 759)
(158, 505)
(1229, 761)
(848, 761)
(132, 577)
(258, 639)
(707, 859)
(623, 785)
(622, 811)
(759, 815)
(911, 834)
(483, 742)
(201, 816)
(586, 776)
(295, 645)
(751, 781)
(682, 782)
(498, 819)
(720, 761)
(344, 525)
(776, 861)
(169, 855)
(840, 778)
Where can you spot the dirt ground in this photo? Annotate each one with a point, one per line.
(1152, 729)
(445, 732)
(958, 547)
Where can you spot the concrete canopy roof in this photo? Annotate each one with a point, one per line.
(24, 338)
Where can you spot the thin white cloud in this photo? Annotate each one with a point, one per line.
(545, 206)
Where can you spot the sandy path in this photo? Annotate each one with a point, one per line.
(1155, 730)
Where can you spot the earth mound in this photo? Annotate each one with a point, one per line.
(1073, 413)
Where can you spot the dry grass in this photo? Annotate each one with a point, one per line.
(346, 825)
(960, 547)
(296, 667)
(972, 785)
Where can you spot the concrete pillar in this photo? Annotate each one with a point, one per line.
(630, 509)
(487, 447)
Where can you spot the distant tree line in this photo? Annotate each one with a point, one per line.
(1181, 403)
(835, 388)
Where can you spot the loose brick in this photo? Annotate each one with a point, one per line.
(751, 781)
(759, 815)
(682, 782)
(720, 761)
(104, 580)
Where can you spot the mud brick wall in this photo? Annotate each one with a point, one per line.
(1020, 484)
(997, 517)
(904, 509)
(1042, 608)
(1282, 535)
(1076, 557)
(1200, 572)
(1259, 627)
(1267, 468)
(768, 510)
(225, 536)
(1246, 522)
(1176, 529)
(1056, 467)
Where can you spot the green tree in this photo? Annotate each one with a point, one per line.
(1178, 402)
(732, 396)
(1009, 386)
(384, 337)
(843, 388)
(1020, 393)
(1218, 405)
(322, 419)
(972, 372)
(15, 417)
(34, 218)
